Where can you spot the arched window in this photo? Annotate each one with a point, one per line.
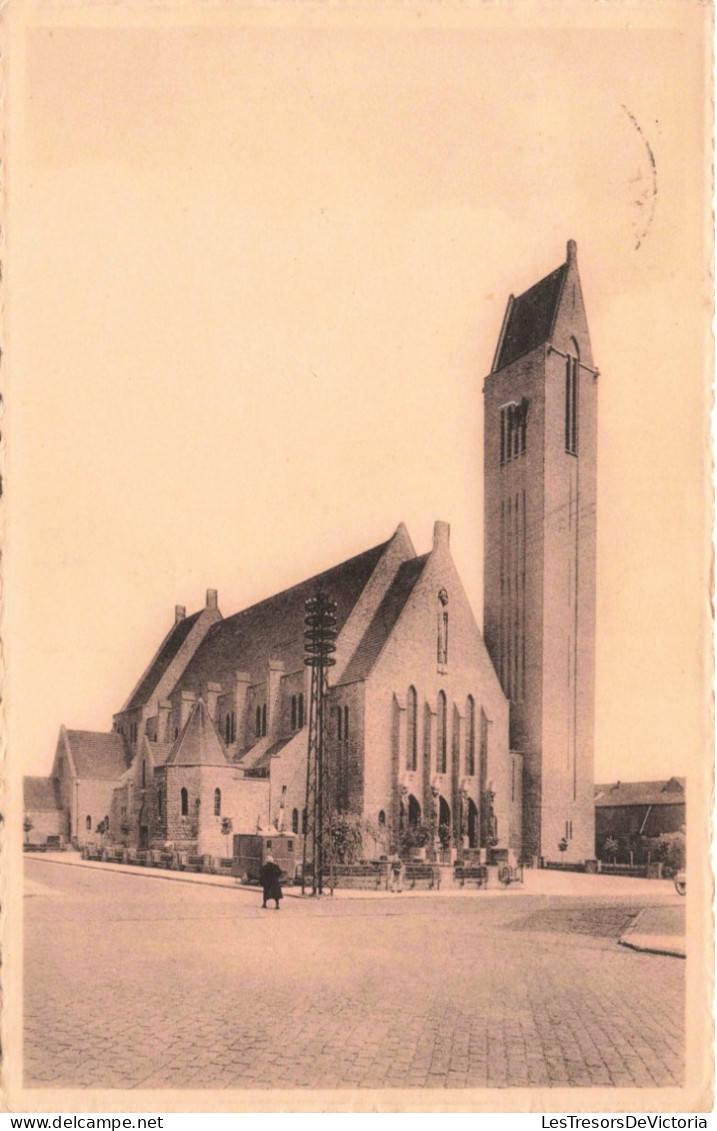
(442, 643)
(217, 802)
(184, 802)
(412, 730)
(227, 729)
(301, 710)
(88, 824)
(258, 722)
(293, 712)
(294, 820)
(470, 736)
(263, 719)
(441, 739)
(381, 819)
(339, 724)
(233, 727)
(304, 822)
(160, 802)
(346, 723)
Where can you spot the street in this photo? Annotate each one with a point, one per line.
(142, 982)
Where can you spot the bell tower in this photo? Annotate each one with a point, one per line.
(540, 435)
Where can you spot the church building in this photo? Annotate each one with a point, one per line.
(486, 741)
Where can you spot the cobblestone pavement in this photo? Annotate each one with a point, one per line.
(131, 982)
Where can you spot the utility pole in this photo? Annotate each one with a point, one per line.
(319, 646)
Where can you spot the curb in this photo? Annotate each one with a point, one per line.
(670, 946)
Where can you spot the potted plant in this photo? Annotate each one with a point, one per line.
(415, 839)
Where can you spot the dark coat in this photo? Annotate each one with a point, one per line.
(270, 877)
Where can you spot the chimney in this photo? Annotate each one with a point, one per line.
(572, 251)
(179, 613)
(212, 598)
(441, 534)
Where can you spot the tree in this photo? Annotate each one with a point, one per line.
(346, 837)
(610, 847)
(227, 829)
(675, 858)
(28, 826)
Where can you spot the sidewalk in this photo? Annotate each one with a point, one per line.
(658, 930)
(536, 882)
(72, 860)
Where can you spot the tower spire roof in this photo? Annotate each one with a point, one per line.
(530, 318)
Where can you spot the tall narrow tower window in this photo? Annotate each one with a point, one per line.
(571, 405)
(513, 430)
(483, 751)
(442, 628)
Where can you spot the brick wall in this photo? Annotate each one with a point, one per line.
(540, 510)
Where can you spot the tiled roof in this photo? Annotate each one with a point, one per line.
(161, 662)
(384, 620)
(264, 758)
(274, 629)
(199, 743)
(531, 317)
(41, 793)
(97, 755)
(670, 792)
(160, 752)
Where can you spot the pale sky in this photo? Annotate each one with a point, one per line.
(256, 276)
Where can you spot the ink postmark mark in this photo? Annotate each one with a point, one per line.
(643, 186)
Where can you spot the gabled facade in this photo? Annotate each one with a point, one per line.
(87, 769)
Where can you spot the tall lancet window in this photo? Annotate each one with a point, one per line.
(412, 730)
(441, 735)
(470, 737)
(442, 628)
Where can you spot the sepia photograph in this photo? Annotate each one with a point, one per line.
(357, 508)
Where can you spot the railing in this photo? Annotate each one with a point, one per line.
(636, 870)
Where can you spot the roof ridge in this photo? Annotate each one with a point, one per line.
(300, 584)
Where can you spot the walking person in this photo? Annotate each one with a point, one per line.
(270, 879)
